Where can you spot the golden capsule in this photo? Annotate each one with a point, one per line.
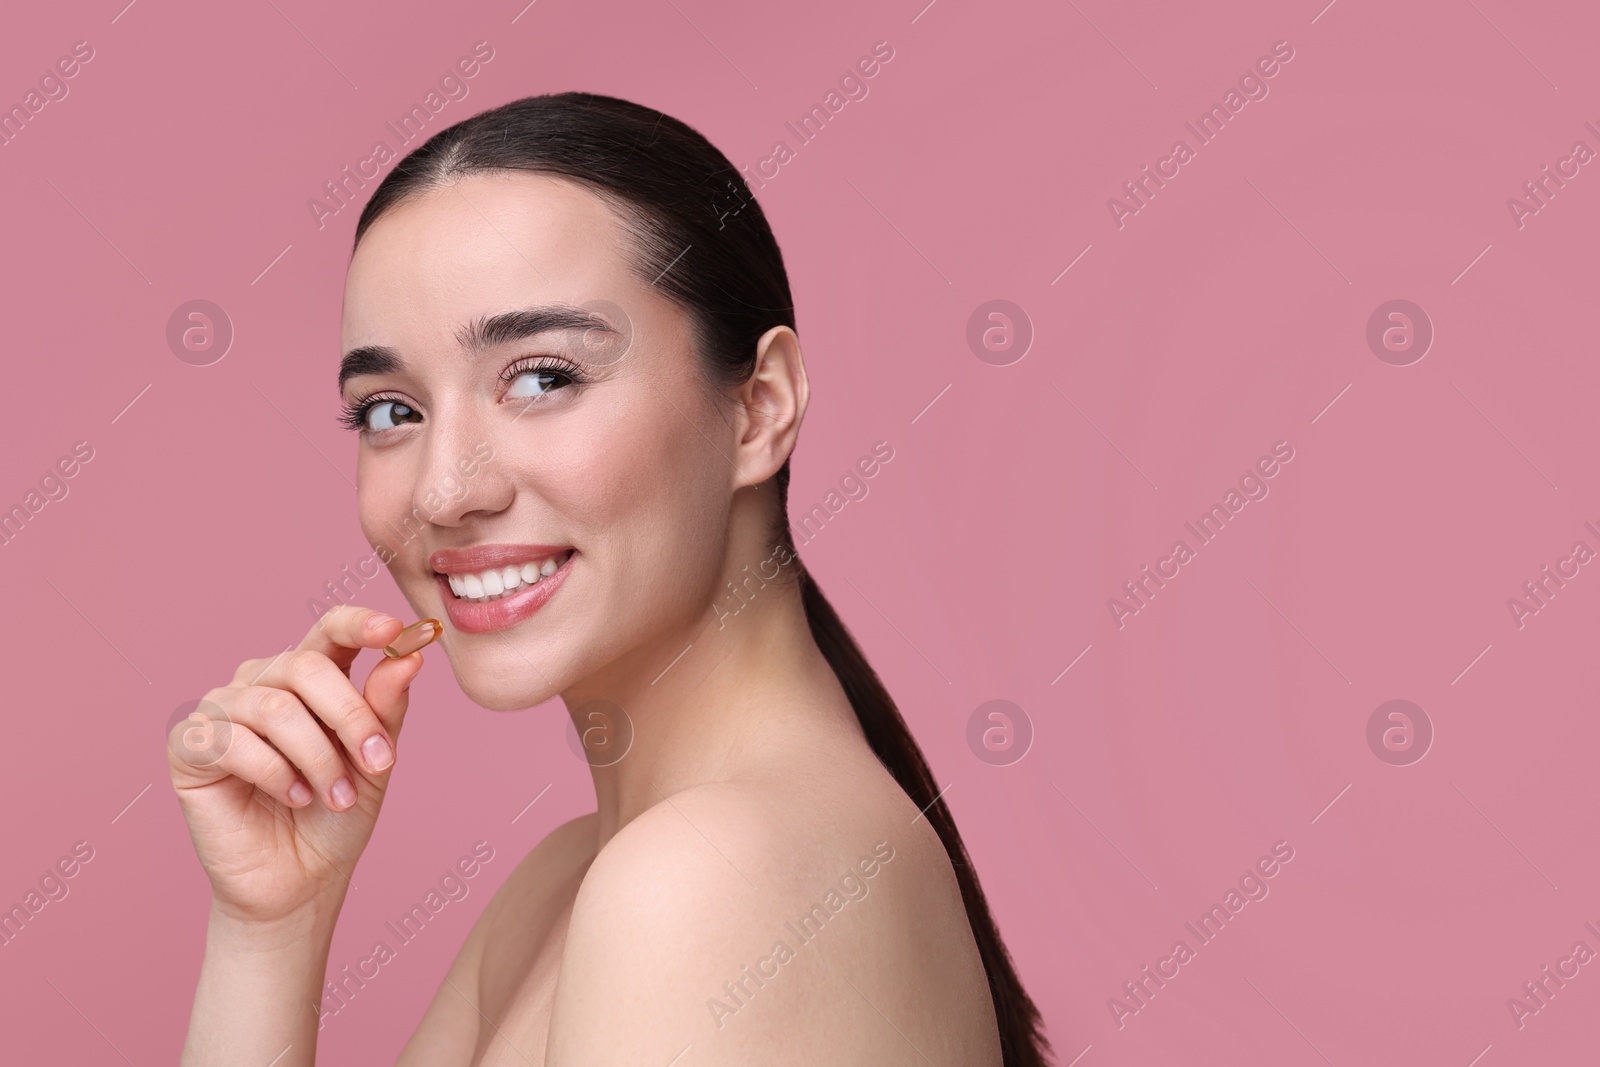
(417, 635)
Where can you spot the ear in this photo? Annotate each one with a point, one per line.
(769, 408)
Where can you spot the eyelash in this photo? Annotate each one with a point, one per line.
(353, 416)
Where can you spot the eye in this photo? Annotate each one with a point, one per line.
(532, 379)
(378, 413)
(387, 414)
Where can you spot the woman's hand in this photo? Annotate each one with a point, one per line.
(281, 773)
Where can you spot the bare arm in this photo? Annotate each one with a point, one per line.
(280, 776)
(260, 990)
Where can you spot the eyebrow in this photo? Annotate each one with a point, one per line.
(488, 331)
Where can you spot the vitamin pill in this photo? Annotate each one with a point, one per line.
(417, 635)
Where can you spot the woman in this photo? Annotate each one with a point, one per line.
(572, 363)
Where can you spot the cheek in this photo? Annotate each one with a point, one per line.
(383, 505)
(383, 491)
(647, 496)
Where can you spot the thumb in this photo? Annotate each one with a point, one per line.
(388, 690)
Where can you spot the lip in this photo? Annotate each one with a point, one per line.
(483, 557)
(499, 614)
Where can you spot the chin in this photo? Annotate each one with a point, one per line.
(507, 692)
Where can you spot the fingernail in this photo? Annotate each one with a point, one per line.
(378, 620)
(376, 751)
(343, 793)
(300, 793)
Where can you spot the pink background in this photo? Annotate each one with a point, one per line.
(1225, 716)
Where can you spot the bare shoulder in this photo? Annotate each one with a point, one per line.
(802, 917)
(558, 857)
(450, 1027)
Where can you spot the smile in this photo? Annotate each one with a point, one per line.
(482, 587)
(492, 587)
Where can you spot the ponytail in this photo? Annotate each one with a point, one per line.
(1022, 1043)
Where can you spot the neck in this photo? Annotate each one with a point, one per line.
(708, 702)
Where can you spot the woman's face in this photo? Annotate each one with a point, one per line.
(491, 455)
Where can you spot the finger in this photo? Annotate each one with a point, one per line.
(344, 630)
(279, 716)
(249, 758)
(333, 698)
(388, 690)
(251, 669)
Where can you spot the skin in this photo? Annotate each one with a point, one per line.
(747, 792)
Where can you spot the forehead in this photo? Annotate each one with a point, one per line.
(479, 245)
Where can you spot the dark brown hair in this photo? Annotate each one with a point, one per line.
(705, 242)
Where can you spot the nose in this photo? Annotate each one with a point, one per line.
(462, 475)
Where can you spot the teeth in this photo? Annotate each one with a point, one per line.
(502, 582)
